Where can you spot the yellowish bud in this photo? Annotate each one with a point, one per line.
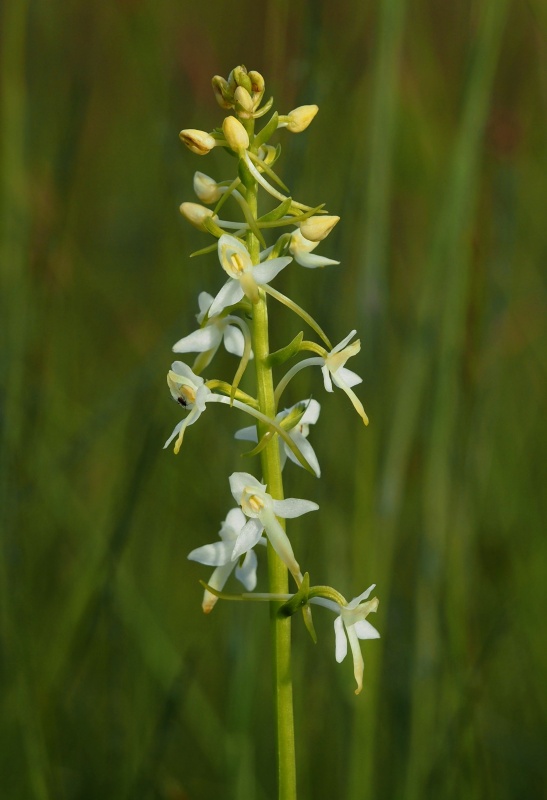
(206, 188)
(243, 103)
(257, 81)
(199, 142)
(241, 78)
(196, 214)
(317, 228)
(235, 135)
(222, 92)
(299, 118)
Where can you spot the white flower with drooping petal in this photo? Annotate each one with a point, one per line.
(190, 392)
(351, 622)
(334, 371)
(219, 555)
(263, 511)
(300, 248)
(208, 338)
(245, 278)
(299, 434)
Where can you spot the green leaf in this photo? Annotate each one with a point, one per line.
(280, 356)
(276, 213)
(267, 131)
(297, 600)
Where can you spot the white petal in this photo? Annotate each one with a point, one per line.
(358, 664)
(363, 596)
(199, 341)
(204, 302)
(234, 341)
(311, 261)
(264, 273)
(248, 537)
(365, 630)
(346, 376)
(343, 343)
(216, 581)
(311, 414)
(265, 253)
(327, 379)
(307, 451)
(227, 247)
(299, 243)
(293, 507)
(214, 555)
(280, 541)
(230, 294)
(182, 370)
(356, 403)
(341, 643)
(232, 525)
(246, 573)
(176, 430)
(247, 434)
(238, 482)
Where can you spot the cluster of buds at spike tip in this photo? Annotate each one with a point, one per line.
(242, 91)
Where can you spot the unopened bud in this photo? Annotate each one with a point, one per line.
(206, 188)
(299, 118)
(241, 78)
(317, 228)
(222, 92)
(196, 214)
(198, 142)
(257, 82)
(243, 103)
(235, 135)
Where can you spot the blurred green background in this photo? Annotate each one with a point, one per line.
(431, 145)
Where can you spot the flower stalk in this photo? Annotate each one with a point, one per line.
(278, 575)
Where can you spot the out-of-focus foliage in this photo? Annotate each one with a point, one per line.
(431, 144)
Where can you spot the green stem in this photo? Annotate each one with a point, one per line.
(277, 571)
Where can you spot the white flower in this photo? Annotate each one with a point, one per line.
(262, 511)
(190, 392)
(219, 555)
(335, 372)
(351, 622)
(300, 248)
(245, 278)
(298, 434)
(216, 329)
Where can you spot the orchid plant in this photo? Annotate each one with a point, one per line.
(237, 316)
